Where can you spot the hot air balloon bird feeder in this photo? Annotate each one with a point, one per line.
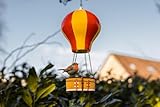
(81, 28)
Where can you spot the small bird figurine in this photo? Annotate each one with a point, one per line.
(72, 69)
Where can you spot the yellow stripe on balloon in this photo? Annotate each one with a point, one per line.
(79, 26)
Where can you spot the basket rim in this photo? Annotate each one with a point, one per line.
(80, 77)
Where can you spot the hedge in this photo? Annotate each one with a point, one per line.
(46, 90)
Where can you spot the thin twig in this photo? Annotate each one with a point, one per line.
(28, 46)
(30, 50)
(25, 41)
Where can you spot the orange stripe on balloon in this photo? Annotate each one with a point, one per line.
(79, 25)
(68, 32)
(93, 28)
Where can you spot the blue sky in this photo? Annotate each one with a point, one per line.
(128, 26)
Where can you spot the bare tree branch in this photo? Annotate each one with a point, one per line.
(25, 41)
(2, 23)
(157, 2)
(33, 46)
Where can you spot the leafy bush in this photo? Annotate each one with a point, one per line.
(46, 90)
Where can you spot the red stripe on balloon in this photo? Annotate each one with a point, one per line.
(92, 29)
(68, 31)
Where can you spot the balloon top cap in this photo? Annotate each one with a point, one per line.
(80, 8)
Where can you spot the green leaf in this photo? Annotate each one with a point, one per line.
(140, 88)
(46, 68)
(112, 102)
(88, 104)
(105, 98)
(27, 98)
(82, 98)
(2, 104)
(157, 105)
(52, 105)
(32, 80)
(45, 105)
(43, 92)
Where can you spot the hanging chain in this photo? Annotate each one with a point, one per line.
(81, 4)
(90, 62)
(89, 70)
(85, 55)
(74, 57)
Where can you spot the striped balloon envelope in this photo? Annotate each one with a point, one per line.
(81, 27)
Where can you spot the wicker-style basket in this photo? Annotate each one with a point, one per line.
(88, 84)
(80, 84)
